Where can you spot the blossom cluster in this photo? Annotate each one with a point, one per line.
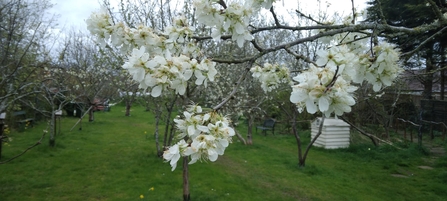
(320, 90)
(233, 19)
(166, 71)
(156, 61)
(207, 135)
(271, 76)
(327, 87)
(384, 69)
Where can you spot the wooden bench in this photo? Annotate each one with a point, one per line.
(23, 121)
(269, 124)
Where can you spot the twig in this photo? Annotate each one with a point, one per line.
(32, 146)
(433, 122)
(275, 17)
(308, 17)
(353, 12)
(407, 55)
(367, 134)
(80, 119)
(407, 121)
(300, 56)
(236, 86)
(437, 11)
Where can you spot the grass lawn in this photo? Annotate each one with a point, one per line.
(114, 158)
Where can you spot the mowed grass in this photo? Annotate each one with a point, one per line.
(114, 158)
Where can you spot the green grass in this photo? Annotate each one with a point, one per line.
(113, 159)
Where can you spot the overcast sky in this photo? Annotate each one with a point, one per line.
(72, 13)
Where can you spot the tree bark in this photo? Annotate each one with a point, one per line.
(169, 108)
(250, 130)
(91, 116)
(156, 134)
(303, 160)
(297, 138)
(1, 137)
(186, 195)
(428, 79)
(128, 106)
(52, 130)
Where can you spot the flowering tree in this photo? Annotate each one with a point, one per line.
(172, 60)
(23, 30)
(87, 75)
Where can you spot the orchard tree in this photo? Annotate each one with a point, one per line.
(24, 27)
(120, 79)
(87, 76)
(54, 96)
(172, 61)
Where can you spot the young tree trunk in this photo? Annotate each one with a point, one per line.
(91, 116)
(250, 130)
(53, 130)
(186, 195)
(428, 79)
(297, 138)
(169, 108)
(157, 123)
(128, 106)
(171, 134)
(303, 159)
(442, 93)
(1, 137)
(443, 63)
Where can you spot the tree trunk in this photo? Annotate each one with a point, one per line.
(53, 130)
(186, 195)
(156, 134)
(128, 106)
(91, 116)
(442, 85)
(169, 108)
(1, 137)
(428, 79)
(303, 160)
(443, 64)
(250, 130)
(171, 134)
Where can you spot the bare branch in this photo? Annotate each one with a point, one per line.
(407, 55)
(236, 86)
(275, 17)
(26, 150)
(300, 56)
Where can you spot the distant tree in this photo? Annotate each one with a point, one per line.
(430, 46)
(24, 28)
(87, 76)
(24, 32)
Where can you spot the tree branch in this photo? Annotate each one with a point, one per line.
(26, 150)
(236, 86)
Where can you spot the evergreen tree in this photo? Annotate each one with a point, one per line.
(414, 13)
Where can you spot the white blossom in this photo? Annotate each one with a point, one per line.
(208, 134)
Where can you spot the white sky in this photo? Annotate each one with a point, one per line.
(72, 13)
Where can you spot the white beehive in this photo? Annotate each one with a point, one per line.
(334, 134)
